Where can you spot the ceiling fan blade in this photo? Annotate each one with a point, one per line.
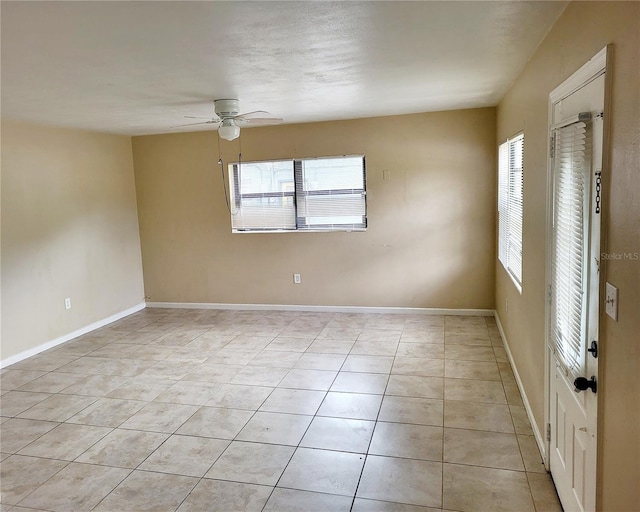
(194, 124)
(260, 121)
(248, 115)
(200, 117)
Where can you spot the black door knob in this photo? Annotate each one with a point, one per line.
(582, 383)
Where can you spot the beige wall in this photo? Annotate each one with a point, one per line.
(69, 229)
(430, 241)
(582, 30)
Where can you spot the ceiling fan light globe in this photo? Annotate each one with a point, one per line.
(229, 131)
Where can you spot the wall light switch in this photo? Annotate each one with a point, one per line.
(611, 301)
(296, 278)
(67, 303)
(386, 175)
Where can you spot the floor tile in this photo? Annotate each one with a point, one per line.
(277, 428)
(428, 350)
(422, 366)
(350, 405)
(404, 409)
(76, 487)
(141, 388)
(221, 496)
(17, 433)
(13, 379)
(369, 383)
(407, 441)
(313, 361)
(294, 401)
(469, 352)
(339, 333)
(185, 455)
(368, 364)
(478, 339)
(237, 396)
(96, 385)
(323, 471)
(477, 416)
(422, 336)
(368, 334)
(290, 344)
(478, 489)
(412, 385)
(374, 348)
(520, 420)
(188, 393)
(208, 373)
(330, 347)
(65, 442)
(291, 500)
(531, 454)
(414, 482)
(512, 393)
(107, 412)
(160, 417)
(479, 448)
(52, 382)
(319, 380)
(260, 376)
(22, 475)
(479, 370)
(362, 505)
(275, 359)
(339, 434)
(148, 492)
(216, 422)
(252, 463)
(469, 390)
(123, 448)
(545, 497)
(15, 402)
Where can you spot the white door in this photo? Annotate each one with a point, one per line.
(576, 129)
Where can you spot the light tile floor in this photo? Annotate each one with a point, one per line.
(201, 410)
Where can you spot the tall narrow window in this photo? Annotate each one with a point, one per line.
(315, 194)
(510, 181)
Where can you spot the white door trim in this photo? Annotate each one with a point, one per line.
(595, 67)
(585, 78)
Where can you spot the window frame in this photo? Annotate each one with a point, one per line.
(301, 225)
(510, 197)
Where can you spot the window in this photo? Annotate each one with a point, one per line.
(318, 194)
(510, 180)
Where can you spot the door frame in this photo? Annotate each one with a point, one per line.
(596, 66)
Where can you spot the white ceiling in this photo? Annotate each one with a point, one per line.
(139, 67)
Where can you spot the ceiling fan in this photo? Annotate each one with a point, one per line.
(230, 121)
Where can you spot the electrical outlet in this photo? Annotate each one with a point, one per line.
(506, 305)
(67, 303)
(296, 278)
(611, 301)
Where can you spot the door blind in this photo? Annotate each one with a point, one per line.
(570, 224)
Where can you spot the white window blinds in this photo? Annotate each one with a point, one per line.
(262, 196)
(330, 193)
(568, 272)
(320, 194)
(510, 185)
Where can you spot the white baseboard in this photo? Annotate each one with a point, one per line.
(321, 309)
(62, 339)
(527, 406)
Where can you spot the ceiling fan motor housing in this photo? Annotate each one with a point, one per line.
(226, 108)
